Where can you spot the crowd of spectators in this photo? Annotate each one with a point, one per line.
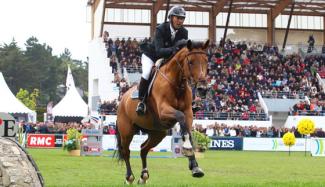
(108, 107)
(251, 131)
(61, 128)
(53, 127)
(306, 108)
(125, 54)
(237, 73)
(211, 130)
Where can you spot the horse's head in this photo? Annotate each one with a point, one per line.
(196, 65)
(196, 61)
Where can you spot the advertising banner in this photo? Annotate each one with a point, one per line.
(44, 140)
(41, 140)
(317, 146)
(91, 142)
(226, 143)
(109, 143)
(273, 144)
(58, 140)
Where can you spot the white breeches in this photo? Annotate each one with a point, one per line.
(147, 64)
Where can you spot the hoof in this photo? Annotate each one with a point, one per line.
(197, 172)
(144, 177)
(187, 152)
(129, 180)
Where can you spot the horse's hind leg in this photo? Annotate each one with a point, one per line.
(126, 131)
(154, 138)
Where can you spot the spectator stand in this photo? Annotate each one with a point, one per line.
(238, 74)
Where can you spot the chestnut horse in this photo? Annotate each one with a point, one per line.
(169, 102)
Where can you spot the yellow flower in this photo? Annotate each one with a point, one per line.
(289, 139)
(306, 126)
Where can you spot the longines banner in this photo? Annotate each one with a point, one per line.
(317, 146)
(226, 143)
(273, 144)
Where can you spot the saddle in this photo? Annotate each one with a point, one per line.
(159, 63)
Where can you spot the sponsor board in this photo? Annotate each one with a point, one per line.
(273, 144)
(41, 140)
(317, 146)
(91, 143)
(226, 143)
(44, 140)
(109, 143)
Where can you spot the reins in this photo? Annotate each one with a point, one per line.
(182, 75)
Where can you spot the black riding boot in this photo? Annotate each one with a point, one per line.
(143, 88)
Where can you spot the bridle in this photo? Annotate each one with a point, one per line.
(183, 77)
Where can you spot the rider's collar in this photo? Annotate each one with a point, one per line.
(172, 30)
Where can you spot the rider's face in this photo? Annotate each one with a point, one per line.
(177, 22)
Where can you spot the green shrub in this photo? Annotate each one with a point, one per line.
(200, 141)
(73, 140)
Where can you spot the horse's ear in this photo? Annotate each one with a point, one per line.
(206, 45)
(189, 45)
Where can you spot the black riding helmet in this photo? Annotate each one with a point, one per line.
(177, 11)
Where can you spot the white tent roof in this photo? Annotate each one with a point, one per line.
(9, 103)
(72, 105)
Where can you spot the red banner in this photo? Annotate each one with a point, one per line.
(41, 140)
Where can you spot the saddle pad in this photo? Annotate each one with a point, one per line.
(159, 62)
(135, 94)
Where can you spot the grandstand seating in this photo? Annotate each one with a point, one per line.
(238, 73)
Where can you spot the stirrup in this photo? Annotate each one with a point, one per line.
(141, 108)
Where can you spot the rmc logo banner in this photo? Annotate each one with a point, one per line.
(226, 143)
(8, 127)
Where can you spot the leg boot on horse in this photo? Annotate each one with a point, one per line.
(187, 150)
(185, 122)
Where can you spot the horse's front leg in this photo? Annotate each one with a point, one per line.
(193, 165)
(185, 120)
(169, 113)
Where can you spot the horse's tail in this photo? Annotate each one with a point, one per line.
(118, 152)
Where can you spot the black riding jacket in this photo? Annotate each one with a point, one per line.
(162, 45)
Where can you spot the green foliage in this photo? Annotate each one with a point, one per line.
(30, 100)
(40, 113)
(200, 140)
(36, 67)
(73, 140)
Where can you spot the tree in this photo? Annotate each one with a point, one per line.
(37, 68)
(30, 100)
(11, 65)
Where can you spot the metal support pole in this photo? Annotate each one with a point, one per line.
(288, 27)
(227, 24)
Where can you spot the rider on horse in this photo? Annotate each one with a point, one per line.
(164, 46)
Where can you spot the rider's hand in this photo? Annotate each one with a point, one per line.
(175, 49)
(181, 43)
